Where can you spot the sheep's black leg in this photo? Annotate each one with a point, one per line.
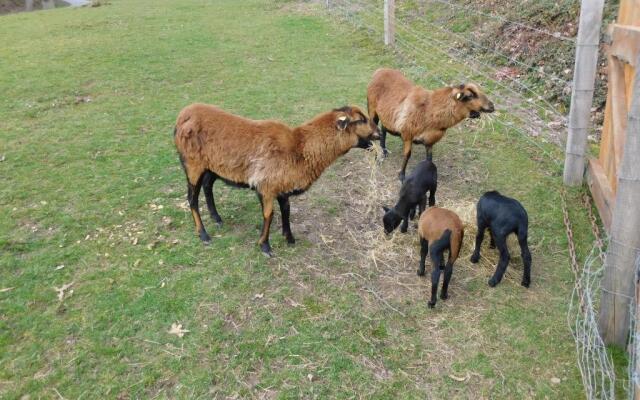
(405, 222)
(285, 210)
(492, 243)
(424, 250)
(501, 243)
(432, 197)
(207, 185)
(406, 152)
(448, 271)
(267, 213)
(475, 257)
(526, 259)
(193, 191)
(383, 140)
(436, 259)
(412, 213)
(422, 205)
(429, 152)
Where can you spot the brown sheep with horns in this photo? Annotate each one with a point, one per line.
(267, 156)
(419, 115)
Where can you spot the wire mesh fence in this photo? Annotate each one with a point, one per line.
(439, 56)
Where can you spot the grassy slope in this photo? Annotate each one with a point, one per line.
(81, 180)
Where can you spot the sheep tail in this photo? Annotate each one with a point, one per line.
(455, 245)
(441, 244)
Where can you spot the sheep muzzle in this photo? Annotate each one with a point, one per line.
(489, 108)
(363, 143)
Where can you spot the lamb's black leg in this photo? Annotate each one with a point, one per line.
(424, 250)
(208, 180)
(432, 197)
(436, 260)
(475, 257)
(383, 141)
(285, 209)
(422, 205)
(448, 271)
(412, 213)
(492, 244)
(501, 243)
(526, 259)
(405, 222)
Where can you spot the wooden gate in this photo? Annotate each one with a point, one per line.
(602, 175)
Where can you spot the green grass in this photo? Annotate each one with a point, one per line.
(81, 179)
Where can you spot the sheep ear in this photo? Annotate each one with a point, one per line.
(385, 208)
(342, 122)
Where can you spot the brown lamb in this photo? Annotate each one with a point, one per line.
(439, 230)
(419, 115)
(267, 156)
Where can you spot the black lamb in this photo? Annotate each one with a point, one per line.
(413, 192)
(502, 216)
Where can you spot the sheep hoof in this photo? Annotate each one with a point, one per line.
(385, 153)
(475, 258)
(431, 304)
(218, 221)
(420, 272)
(493, 282)
(526, 282)
(291, 240)
(266, 250)
(204, 236)
(444, 296)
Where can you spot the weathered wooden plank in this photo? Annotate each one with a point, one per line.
(629, 12)
(626, 43)
(617, 87)
(603, 197)
(619, 277)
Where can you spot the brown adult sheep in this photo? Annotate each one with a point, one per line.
(419, 115)
(267, 156)
(439, 230)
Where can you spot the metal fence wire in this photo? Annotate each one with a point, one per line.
(439, 57)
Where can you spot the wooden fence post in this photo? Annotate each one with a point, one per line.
(389, 22)
(619, 278)
(584, 75)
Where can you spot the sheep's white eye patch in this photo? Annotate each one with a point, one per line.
(343, 118)
(458, 96)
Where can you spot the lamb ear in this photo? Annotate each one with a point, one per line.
(342, 122)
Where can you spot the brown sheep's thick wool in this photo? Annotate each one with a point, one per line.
(267, 156)
(419, 115)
